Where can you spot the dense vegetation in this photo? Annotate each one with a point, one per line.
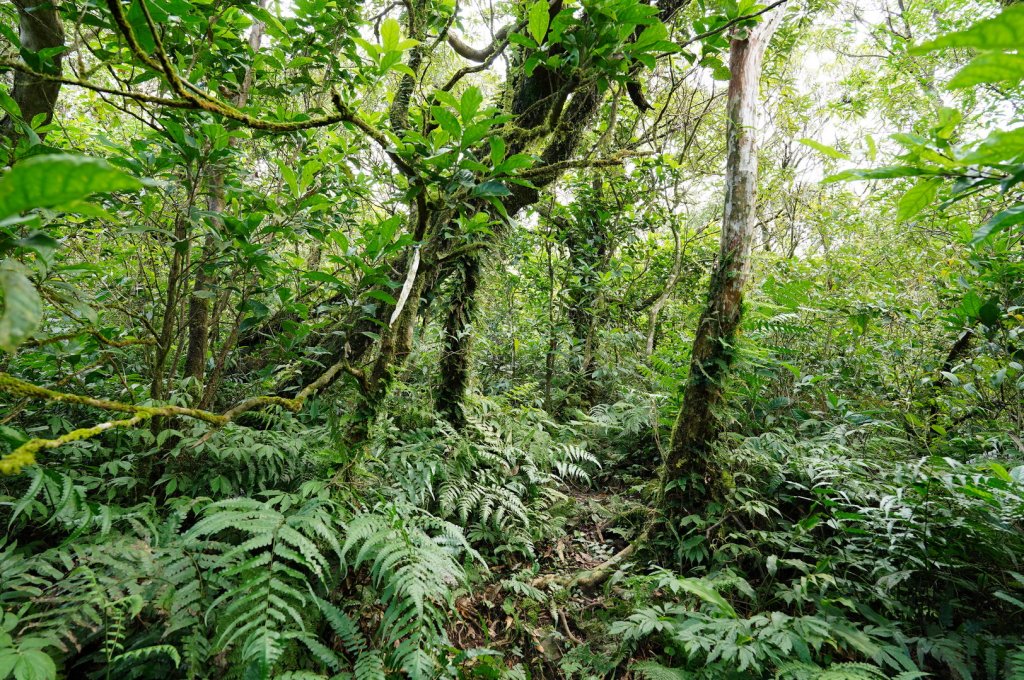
(530, 339)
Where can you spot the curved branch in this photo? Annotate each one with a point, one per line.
(26, 453)
(481, 54)
(493, 52)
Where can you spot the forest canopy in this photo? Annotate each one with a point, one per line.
(512, 339)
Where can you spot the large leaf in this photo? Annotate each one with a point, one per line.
(390, 34)
(491, 188)
(706, 592)
(538, 20)
(920, 196)
(886, 172)
(994, 67)
(1007, 218)
(1004, 32)
(998, 147)
(273, 25)
(825, 149)
(53, 180)
(472, 98)
(22, 308)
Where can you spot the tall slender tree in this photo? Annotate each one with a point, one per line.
(692, 478)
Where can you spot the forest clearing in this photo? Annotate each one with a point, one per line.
(483, 339)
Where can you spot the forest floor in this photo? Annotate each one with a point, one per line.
(491, 617)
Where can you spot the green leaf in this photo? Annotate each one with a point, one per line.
(140, 28)
(390, 34)
(886, 172)
(323, 277)
(651, 36)
(920, 196)
(274, 26)
(706, 592)
(497, 150)
(472, 98)
(491, 188)
(829, 151)
(1004, 32)
(989, 313)
(537, 20)
(8, 104)
(22, 307)
(513, 163)
(52, 180)
(382, 296)
(994, 67)
(999, 146)
(34, 664)
(447, 120)
(1007, 218)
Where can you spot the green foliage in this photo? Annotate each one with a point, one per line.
(57, 180)
(23, 309)
(265, 573)
(850, 555)
(47, 181)
(320, 176)
(991, 162)
(500, 478)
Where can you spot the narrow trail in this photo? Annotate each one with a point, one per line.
(589, 541)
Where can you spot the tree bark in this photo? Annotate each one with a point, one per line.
(39, 28)
(692, 478)
(198, 304)
(455, 356)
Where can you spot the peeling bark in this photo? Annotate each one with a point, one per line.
(692, 478)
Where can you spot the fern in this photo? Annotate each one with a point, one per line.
(144, 655)
(268, 570)
(413, 570)
(650, 670)
(840, 671)
(500, 477)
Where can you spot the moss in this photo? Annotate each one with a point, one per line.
(25, 454)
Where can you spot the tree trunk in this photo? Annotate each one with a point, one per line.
(663, 297)
(199, 307)
(39, 28)
(692, 479)
(455, 356)
(198, 302)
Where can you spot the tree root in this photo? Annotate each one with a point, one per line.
(592, 578)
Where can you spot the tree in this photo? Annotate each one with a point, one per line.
(692, 477)
(41, 36)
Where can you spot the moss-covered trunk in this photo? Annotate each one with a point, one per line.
(457, 339)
